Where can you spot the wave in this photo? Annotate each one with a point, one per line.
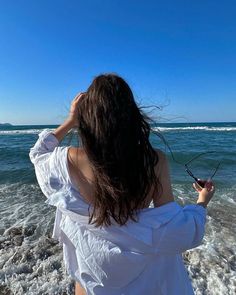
(202, 128)
(186, 128)
(23, 131)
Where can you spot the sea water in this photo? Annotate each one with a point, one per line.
(31, 262)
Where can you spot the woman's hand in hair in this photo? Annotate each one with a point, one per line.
(73, 114)
(71, 121)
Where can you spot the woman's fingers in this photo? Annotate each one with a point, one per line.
(78, 96)
(212, 188)
(73, 114)
(75, 101)
(197, 187)
(209, 186)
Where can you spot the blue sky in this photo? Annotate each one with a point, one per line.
(178, 54)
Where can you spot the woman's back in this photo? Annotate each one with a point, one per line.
(82, 176)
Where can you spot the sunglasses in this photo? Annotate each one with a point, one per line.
(199, 181)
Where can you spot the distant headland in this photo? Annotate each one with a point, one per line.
(5, 124)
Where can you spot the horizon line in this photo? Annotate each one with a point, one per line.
(200, 122)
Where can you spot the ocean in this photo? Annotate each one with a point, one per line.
(31, 262)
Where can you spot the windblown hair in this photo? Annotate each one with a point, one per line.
(114, 133)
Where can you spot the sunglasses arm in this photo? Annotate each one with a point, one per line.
(190, 173)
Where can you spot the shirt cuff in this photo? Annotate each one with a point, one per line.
(49, 139)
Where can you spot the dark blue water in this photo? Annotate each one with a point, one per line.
(26, 266)
(185, 141)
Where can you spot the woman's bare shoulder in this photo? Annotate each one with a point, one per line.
(162, 161)
(163, 174)
(160, 153)
(76, 156)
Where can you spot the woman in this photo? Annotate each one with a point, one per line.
(113, 243)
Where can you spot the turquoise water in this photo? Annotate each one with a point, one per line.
(31, 262)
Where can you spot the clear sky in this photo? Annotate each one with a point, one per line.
(180, 54)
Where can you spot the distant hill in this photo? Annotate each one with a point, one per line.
(5, 124)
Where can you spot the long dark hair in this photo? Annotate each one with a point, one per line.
(114, 133)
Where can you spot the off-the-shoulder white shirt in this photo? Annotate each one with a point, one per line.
(134, 259)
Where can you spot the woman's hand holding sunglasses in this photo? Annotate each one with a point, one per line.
(206, 190)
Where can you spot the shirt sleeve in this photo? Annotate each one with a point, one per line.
(47, 158)
(185, 231)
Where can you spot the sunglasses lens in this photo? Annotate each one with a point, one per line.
(201, 183)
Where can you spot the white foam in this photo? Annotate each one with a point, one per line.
(37, 265)
(23, 131)
(202, 128)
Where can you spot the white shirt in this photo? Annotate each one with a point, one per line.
(141, 257)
